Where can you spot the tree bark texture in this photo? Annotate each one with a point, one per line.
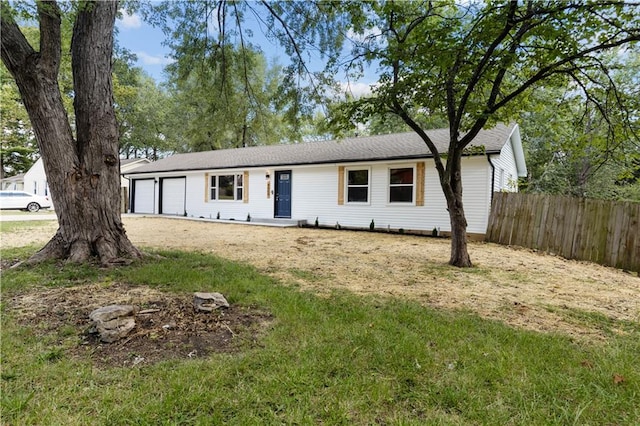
(83, 172)
(451, 183)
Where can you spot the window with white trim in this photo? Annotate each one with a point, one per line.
(357, 185)
(401, 184)
(226, 187)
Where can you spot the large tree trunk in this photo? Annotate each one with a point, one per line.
(452, 188)
(451, 183)
(459, 252)
(83, 173)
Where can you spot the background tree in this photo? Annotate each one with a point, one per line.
(471, 61)
(229, 100)
(146, 124)
(18, 148)
(222, 84)
(586, 147)
(81, 161)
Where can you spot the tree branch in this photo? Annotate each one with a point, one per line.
(555, 68)
(50, 37)
(17, 53)
(479, 70)
(292, 40)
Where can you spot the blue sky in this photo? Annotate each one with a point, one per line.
(147, 43)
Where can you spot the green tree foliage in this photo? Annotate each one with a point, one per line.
(472, 62)
(229, 100)
(586, 147)
(139, 103)
(144, 114)
(221, 84)
(18, 146)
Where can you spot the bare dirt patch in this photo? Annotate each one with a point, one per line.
(167, 325)
(517, 286)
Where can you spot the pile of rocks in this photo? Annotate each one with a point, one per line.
(115, 322)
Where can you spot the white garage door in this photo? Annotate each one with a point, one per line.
(173, 196)
(143, 196)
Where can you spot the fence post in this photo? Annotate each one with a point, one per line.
(124, 199)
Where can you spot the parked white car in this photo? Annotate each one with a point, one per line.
(19, 200)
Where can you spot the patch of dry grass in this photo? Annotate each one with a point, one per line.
(520, 287)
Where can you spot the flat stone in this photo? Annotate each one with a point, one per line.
(107, 313)
(115, 329)
(113, 322)
(209, 301)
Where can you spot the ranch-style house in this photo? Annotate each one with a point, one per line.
(389, 180)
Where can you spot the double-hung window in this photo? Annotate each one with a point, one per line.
(226, 187)
(239, 187)
(358, 186)
(401, 183)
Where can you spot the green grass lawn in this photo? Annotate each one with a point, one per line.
(343, 359)
(40, 212)
(22, 225)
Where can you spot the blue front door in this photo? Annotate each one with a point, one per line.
(283, 194)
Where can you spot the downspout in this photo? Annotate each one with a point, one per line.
(493, 175)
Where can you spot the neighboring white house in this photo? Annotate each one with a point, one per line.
(35, 180)
(127, 165)
(390, 179)
(13, 183)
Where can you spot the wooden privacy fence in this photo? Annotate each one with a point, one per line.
(606, 232)
(124, 199)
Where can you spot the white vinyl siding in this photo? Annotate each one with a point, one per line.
(506, 171)
(476, 193)
(35, 180)
(316, 188)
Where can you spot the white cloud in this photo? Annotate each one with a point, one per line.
(357, 90)
(368, 33)
(129, 22)
(147, 59)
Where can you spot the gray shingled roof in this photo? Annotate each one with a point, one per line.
(370, 148)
